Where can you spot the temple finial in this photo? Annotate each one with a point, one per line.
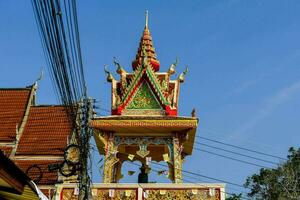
(40, 77)
(146, 22)
(146, 43)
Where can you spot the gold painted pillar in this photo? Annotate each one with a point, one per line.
(110, 159)
(177, 159)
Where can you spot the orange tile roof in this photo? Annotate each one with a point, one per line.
(6, 150)
(13, 104)
(46, 131)
(47, 178)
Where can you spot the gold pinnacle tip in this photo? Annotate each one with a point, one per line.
(146, 22)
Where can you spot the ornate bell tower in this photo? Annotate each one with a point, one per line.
(144, 124)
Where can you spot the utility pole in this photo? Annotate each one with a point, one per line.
(86, 109)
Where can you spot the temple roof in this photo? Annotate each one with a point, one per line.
(6, 150)
(145, 90)
(42, 132)
(46, 131)
(13, 103)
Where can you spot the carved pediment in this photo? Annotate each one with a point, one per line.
(144, 99)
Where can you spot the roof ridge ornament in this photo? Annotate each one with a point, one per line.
(173, 66)
(109, 77)
(182, 75)
(41, 76)
(120, 69)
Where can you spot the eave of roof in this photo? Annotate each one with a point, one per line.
(152, 126)
(12, 175)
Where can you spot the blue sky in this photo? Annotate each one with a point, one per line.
(243, 56)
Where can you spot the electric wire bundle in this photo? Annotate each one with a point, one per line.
(58, 27)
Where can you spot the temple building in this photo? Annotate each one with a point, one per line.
(144, 127)
(144, 123)
(33, 136)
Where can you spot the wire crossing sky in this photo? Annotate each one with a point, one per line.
(59, 32)
(243, 58)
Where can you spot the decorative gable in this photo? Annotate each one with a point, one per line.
(144, 99)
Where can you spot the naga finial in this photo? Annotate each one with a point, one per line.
(40, 77)
(181, 76)
(109, 77)
(172, 67)
(120, 69)
(186, 70)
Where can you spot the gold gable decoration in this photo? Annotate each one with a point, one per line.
(144, 99)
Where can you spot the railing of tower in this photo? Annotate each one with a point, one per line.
(59, 32)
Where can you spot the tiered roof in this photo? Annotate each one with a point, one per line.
(147, 44)
(145, 90)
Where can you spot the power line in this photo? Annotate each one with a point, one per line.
(229, 151)
(208, 177)
(242, 148)
(222, 133)
(235, 159)
(61, 45)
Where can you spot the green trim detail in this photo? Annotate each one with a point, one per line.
(137, 77)
(153, 81)
(158, 90)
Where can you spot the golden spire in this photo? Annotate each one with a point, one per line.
(146, 20)
(146, 44)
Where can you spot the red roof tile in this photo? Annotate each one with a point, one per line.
(6, 150)
(46, 131)
(13, 104)
(47, 177)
